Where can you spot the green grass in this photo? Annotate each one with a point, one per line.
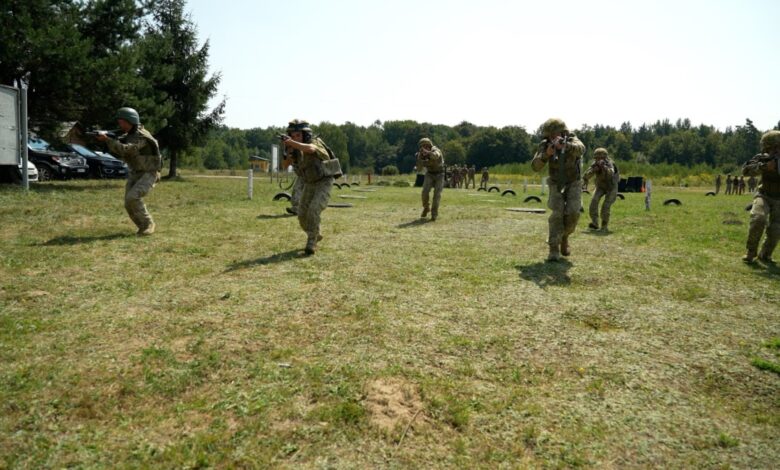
(215, 343)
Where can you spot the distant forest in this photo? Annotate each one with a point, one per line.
(393, 144)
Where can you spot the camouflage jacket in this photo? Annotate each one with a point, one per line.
(571, 160)
(605, 176)
(138, 149)
(770, 180)
(433, 162)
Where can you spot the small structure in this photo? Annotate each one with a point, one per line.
(258, 163)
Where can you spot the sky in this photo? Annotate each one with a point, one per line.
(494, 62)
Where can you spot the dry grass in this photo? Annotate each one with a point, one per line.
(216, 343)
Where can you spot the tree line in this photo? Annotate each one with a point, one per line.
(82, 60)
(394, 143)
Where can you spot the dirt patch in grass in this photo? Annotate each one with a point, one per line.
(392, 403)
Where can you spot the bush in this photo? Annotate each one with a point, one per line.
(402, 184)
(390, 170)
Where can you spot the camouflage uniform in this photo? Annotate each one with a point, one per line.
(295, 196)
(471, 172)
(434, 177)
(565, 185)
(728, 184)
(485, 176)
(315, 195)
(765, 213)
(717, 184)
(606, 186)
(142, 154)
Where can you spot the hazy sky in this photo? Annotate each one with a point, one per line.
(495, 62)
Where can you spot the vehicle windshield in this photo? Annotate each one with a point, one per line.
(36, 143)
(83, 151)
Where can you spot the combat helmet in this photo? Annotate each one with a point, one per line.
(129, 114)
(302, 126)
(770, 142)
(553, 126)
(600, 152)
(424, 141)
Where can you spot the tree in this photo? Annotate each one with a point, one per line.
(179, 86)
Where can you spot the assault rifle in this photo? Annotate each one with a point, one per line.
(112, 134)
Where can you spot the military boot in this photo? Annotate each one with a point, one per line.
(593, 226)
(554, 255)
(749, 256)
(148, 230)
(424, 213)
(565, 251)
(604, 227)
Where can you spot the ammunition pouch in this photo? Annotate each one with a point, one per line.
(318, 169)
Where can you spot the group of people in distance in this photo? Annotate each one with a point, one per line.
(560, 151)
(736, 185)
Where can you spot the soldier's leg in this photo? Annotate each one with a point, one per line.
(772, 230)
(594, 208)
(295, 197)
(555, 222)
(135, 205)
(427, 184)
(571, 214)
(129, 205)
(758, 219)
(320, 195)
(606, 208)
(303, 206)
(438, 185)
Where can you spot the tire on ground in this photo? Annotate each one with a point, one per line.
(675, 202)
(532, 198)
(508, 191)
(492, 188)
(280, 196)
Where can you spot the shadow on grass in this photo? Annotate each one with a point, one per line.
(596, 233)
(274, 216)
(277, 258)
(69, 240)
(50, 187)
(768, 270)
(545, 274)
(414, 223)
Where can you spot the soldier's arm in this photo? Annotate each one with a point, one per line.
(575, 147)
(589, 172)
(540, 159)
(753, 167)
(436, 155)
(126, 151)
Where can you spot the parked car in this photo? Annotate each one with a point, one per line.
(53, 163)
(32, 172)
(101, 165)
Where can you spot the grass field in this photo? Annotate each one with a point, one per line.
(400, 344)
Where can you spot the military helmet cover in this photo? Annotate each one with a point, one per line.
(424, 141)
(770, 141)
(600, 152)
(553, 126)
(298, 125)
(128, 114)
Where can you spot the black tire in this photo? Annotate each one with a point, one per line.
(620, 196)
(357, 183)
(280, 196)
(675, 202)
(749, 207)
(340, 205)
(532, 198)
(710, 193)
(344, 185)
(509, 191)
(585, 191)
(337, 185)
(45, 173)
(493, 188)
(481, 189)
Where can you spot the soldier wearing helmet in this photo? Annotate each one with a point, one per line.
(563, 151)
(607, 177)
(430, 157)
(140, 150)
(765, 213)
(290, 159)
(310, 154)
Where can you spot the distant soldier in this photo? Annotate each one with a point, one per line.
(485, 177)
(752, 181)
(141, 152)
(432, 159)
(766, 203)
(717, 184)
(472, 173)
(455, 181)
(728, 184)
(464, 174)
(317, 167)
(741, 185)
(564, 152)
(605, 171)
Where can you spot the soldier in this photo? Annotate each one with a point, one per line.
(766, 203)
(464, 175)
(472, 173)
(752, 183)
(432, 159)
(141, 152)
(605, 171)
(717, 184)
(741, 185)
(485, 176)
(315, 165)
(728, 184)
(563, 151)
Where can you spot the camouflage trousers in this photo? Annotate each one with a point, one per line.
(609, 199)
(297, 191)
(138, 185)
(483, 183)
(314, 200)
(564, 204)
(765, 214)
(471, 182)
(435, 181)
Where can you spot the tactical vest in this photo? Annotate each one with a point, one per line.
(770, 183)
(313, 169)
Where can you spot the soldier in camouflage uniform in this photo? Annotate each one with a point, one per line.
(309, 153)
(765, 213)
(297, 189)
(472, 181)
(432, 159)
(605, 171)
(728, 184)
(485, 177)
(141, 152)
(717, 184)
(564, 152)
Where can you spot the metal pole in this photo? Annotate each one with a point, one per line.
(250, 182)
(23, 130)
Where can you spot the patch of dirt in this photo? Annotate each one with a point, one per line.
(392, 403)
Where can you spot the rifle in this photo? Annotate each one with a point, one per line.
(112, 134)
